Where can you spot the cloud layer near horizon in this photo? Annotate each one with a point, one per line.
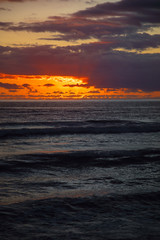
(126, 24)
(104, 68)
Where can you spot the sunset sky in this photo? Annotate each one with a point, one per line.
(79, 49)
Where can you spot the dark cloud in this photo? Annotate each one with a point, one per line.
(49, 85)
(58, 92)
(139, 41)
(26, 85)
(71, 28)
(4, 9)
(11, 96)
(10, 86)
(104, 20)
(126, 15)
(5, 25)
(29, 87)
(103, 67)
(74, 28)
(118, 23)
(133, 9)
(114, 25)
(127, 70)
(93, 91)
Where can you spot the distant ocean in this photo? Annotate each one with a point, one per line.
(86, 170)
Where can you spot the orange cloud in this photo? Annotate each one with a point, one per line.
(62, 87)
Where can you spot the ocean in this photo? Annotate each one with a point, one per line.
(87, 170)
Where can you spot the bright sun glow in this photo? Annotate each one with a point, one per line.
(61, 87)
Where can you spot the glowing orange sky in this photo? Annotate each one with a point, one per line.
(75, 49)
(23, 87)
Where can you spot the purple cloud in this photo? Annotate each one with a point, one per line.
(114, 25)
(29, 87)
(10, 86)
(48, 85)
(124, 16)
(127, 70)
(102, 21)
(125, 8)
(103, 67)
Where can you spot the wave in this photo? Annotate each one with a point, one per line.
(77, 127)
(67, 123)
(79, 159)
(133, 216)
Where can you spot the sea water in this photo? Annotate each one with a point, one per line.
(80, 169)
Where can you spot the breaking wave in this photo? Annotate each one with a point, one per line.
(79, 159)
(72, 127)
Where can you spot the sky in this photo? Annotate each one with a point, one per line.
(79, 49)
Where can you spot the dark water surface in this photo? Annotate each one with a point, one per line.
(80, 170)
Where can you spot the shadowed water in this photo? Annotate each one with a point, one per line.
(80, 170)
